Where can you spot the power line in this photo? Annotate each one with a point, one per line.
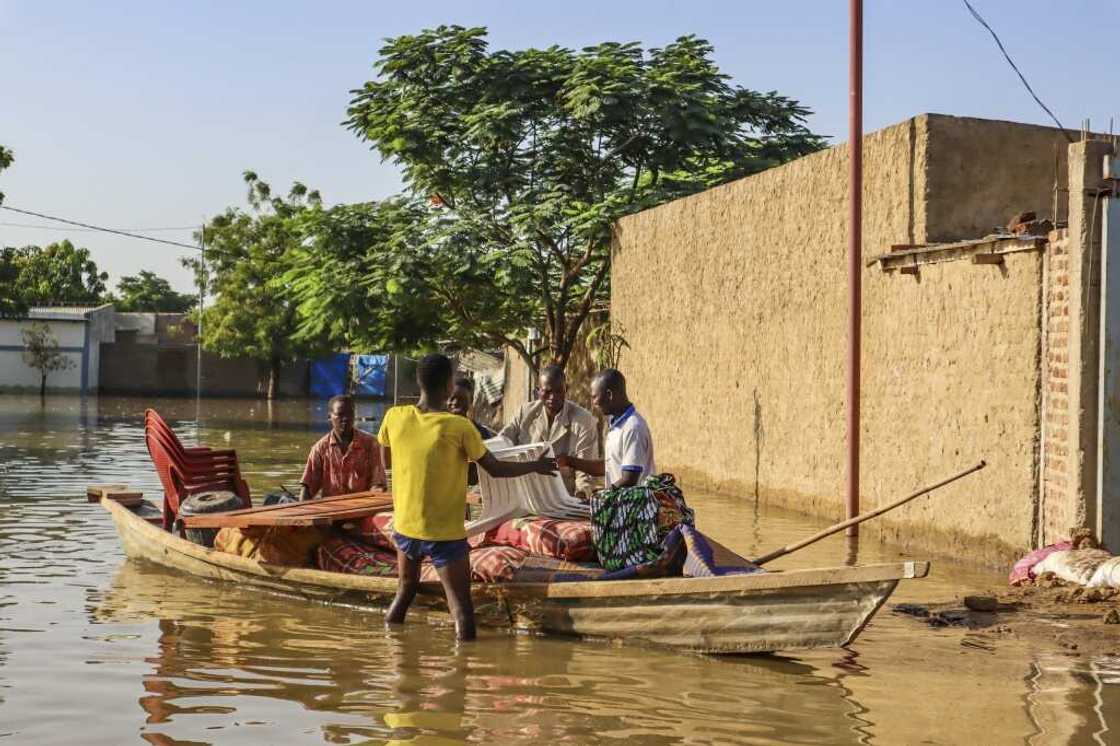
(102, 229)
(44, 226)
(1007, 57)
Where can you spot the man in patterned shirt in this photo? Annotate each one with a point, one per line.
(344, 460)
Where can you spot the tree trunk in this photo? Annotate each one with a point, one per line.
(43, 386)
(273, 378)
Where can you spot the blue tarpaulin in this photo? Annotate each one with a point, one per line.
(370, 373)
(329, 374)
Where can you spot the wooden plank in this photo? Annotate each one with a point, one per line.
(128, 498)
(311, 513)
(320, 501)
(987, 258)
(94, 492)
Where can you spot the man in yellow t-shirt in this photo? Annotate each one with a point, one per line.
(427, 449)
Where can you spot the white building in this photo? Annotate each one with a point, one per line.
(79, 332)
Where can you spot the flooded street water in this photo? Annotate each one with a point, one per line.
(96, 649)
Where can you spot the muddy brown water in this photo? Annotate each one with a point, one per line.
(97, 649)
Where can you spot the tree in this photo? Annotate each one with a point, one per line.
(6, 159)
(246, 254)
(41, 352)
(532, 156)
(59, 273)
(149, 292)
(350, 277)
(11, 300)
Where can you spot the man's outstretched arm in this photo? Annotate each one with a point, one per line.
(593, 466)
(497, 468)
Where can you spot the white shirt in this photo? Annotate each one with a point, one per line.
(629, 447)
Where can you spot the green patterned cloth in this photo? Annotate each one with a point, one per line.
(628, 524)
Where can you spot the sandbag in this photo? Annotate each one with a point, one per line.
(1072, 565)
(1107, 574)
(291, 546)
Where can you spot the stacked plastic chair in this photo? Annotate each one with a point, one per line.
(187, 471)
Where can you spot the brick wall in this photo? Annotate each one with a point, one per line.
(1056, 510)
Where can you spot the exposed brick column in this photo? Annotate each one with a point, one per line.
(1055, 515)
(1070, 370)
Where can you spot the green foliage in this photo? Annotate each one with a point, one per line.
(355, 277)
(393, 275)
(246, 254)
(41, 352)
(12, 302)
(57, 274)
(606, 344)
(6, 159)
(149, 292)
(534, 154)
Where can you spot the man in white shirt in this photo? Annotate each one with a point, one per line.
(552, 418)
(629, 448)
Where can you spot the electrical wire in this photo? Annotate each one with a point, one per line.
(44, 226)
(1007, 57)
(194, 247)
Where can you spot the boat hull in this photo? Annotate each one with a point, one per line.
(763, 612)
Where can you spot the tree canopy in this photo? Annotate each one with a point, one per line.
(147, 291)
(6, 159)
(246, 254)
(59, 273)
(531, 155)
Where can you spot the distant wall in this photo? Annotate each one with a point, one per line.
(734, 303)
(171, 370)
(15, 374)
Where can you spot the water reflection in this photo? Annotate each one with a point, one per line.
(99, 650)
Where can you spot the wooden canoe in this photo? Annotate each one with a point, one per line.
(763, 612)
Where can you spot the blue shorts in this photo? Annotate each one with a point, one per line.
(442, 552)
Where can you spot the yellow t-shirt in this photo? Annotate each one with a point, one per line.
(429, 451)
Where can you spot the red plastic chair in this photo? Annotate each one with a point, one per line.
(178, 485)
(192, 462)
(153, 420)
(183, 472)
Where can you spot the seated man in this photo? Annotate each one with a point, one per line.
(629, 459)
(344, 460)
(629, 451)
(571, 429)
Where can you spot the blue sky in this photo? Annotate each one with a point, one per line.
(144, 114)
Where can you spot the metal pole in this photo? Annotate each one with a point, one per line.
(201, 302)
(1108, 413)
(855, 241)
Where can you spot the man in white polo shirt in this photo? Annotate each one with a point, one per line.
(629, 446)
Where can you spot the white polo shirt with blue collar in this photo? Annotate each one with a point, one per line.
(629, 447)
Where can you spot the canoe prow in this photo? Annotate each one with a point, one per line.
(761, 612)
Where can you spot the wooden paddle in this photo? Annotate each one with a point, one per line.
(862, 517)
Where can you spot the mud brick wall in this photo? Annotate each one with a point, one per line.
(734, 303)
